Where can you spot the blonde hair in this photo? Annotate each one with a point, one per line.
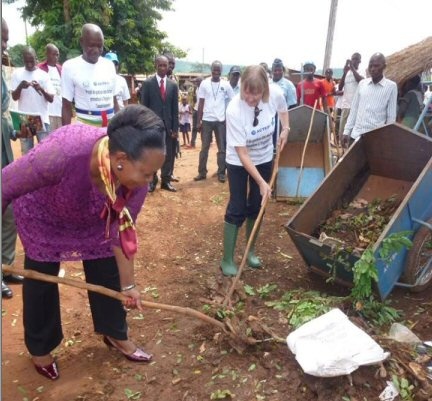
(255, 80)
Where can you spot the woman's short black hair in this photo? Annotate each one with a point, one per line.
(135, 129)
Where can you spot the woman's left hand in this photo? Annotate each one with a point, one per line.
(134, 299)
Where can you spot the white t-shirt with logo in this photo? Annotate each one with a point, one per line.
(92, 86)
(55, 108)
(215, 95)
(122, 91)
(241, 132)
(30, 100)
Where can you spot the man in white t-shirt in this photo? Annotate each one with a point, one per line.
(213, 94)
(54, 69)
(122, 91)
(348, 84)
(33, 90)
(90, 81)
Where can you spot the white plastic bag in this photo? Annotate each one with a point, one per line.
(331, 345)
(403, 334)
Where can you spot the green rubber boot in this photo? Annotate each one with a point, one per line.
(252, 259)
(228, 265)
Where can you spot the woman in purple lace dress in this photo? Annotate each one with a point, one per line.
(76, 196)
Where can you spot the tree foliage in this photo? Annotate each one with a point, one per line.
(15, 54)
(129, 27)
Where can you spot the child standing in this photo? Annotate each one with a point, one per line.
(185, 120)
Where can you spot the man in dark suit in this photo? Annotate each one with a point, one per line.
(160, 94)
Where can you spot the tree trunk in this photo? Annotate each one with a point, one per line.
(67, 20)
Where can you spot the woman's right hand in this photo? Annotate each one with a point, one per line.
(265, 191)
(134, 299)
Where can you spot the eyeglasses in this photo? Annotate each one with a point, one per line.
(257, 111)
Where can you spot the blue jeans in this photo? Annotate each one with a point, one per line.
(28, 143)
(243, 205)
(207, 129)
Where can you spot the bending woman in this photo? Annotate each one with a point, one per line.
(250, 119)
(76, 196)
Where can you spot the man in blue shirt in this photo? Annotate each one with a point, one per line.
(286, 85)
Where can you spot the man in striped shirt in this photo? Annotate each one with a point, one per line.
(374, 103)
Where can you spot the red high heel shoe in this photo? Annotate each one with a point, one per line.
(50, 371)
(138, 356)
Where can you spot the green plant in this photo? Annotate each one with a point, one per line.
(404, 388)
(306, 311)
(132, 395)
(266, 290)
(365, 274)
(365, 270)
(221, 394)
(303, 306)
(249, 290)
(394, 243)
(339, 256)
(221, 314)
(206, 308)
(379, 313)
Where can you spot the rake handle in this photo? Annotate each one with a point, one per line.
(34, 275)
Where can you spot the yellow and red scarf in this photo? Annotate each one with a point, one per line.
(114, 207)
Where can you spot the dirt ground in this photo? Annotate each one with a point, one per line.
(180, 248)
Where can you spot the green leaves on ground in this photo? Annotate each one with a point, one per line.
(303, 306)
(221, 395)
(132, 395)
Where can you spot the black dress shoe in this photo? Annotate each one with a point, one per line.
(6, 291)
(168, 187)
(174, 178)
(13, 278)
(200, 177)
(152, 187)
(221, 177)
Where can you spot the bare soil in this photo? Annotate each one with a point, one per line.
(180, 249)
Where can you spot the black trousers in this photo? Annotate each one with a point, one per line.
(41, 305)
(243, 203)
(168, 166)
(194, 127)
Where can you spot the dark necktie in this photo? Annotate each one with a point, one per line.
(162, 89)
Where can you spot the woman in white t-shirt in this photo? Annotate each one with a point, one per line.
(250, 122)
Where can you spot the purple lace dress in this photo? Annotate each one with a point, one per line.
(57, 207)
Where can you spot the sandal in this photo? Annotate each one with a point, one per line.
(138, 356)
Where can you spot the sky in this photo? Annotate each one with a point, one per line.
(252, 31)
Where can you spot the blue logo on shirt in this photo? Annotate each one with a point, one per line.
(253, 132)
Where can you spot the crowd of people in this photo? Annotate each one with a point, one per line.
(65, 208)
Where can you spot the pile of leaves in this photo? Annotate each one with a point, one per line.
(359, 224)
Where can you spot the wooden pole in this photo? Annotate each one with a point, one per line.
(304, 148)
(253, 233)
(34, 275)
(330, 34)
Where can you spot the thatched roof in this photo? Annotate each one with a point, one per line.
(411, 61)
